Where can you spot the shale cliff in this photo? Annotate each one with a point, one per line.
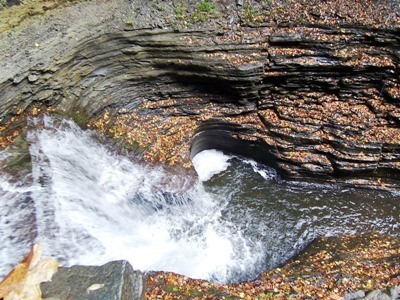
(315, 96)
(310, 87)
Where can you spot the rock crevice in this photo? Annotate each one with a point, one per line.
(314, 100)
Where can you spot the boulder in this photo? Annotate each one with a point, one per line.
(114, 280)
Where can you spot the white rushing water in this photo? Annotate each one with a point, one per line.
(89, 205)
(209, 163)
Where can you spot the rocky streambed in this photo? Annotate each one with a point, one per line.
(309, 88)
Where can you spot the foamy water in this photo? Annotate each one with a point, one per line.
(90, 205)
(209, 163)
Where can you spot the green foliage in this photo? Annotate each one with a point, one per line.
(206, 6)
(179, 12)
(203, 11)
(249, 13)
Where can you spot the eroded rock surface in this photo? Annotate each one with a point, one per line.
(312, 99)
(347, 267)
(311, 87)
(114, 280)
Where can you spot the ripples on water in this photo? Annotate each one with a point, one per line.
(90, 205)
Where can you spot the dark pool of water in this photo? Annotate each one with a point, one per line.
(286, 216)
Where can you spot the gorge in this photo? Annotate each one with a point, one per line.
(312, 93)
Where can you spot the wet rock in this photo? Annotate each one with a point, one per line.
(377, 295)
(314, 98)
(395, 292)
(114, 280)
(320, 101)
(391, 294)
(354, 296)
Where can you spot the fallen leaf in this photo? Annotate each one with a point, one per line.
(23, 282)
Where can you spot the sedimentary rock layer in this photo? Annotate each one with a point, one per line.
(312, 100)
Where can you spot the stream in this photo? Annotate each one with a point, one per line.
(89, 204)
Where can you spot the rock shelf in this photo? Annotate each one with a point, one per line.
(319, 101)
(310, 87)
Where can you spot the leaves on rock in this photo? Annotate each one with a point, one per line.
(328, 269)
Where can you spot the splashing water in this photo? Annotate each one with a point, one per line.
(209, 163)
(89, 205)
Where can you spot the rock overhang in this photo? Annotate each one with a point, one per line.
(313, 100)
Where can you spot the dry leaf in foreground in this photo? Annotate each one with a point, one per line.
(23, 282)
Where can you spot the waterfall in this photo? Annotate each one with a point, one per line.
(90, 204)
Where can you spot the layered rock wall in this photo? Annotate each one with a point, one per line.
(312, 100)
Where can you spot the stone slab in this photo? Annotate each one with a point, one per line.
(115, 280)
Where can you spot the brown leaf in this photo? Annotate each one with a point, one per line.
(23, 282)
